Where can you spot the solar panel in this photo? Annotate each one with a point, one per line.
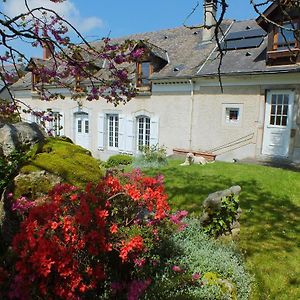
(242, 43)
(245, 34)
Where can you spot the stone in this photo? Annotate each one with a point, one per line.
(213, 203)
(236, 189)
(18, 136)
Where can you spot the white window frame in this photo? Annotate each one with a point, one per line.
(56, 129)
(113, 130)
(226, 108)
(143, 135)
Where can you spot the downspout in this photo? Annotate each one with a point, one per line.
(192, 113)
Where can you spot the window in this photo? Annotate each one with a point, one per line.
(35, 79)
(284, 38)
(113, 130)
(56, 123)
(279, 109)
(144, 70)
(143, 132)
(86, 126)
(79, 126)
(232, 115)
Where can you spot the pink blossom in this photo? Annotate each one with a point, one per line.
(176, 269)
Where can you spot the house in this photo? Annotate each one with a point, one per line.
(180, 103)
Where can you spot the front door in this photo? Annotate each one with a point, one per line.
(82, 129)
(278, 123)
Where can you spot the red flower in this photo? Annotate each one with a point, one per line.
(113, 228)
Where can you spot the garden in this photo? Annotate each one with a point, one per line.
(133, 230)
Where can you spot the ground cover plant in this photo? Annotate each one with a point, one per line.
(270, 222)
(115, 240)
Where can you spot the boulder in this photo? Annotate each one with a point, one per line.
(212, 209)
(20, 135)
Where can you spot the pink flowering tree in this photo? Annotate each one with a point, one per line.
(103, 67)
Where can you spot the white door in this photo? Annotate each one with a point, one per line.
(278, 123)
(82, 130)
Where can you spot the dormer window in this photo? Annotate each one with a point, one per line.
(144, 71)
(284, 38)
(35, 79)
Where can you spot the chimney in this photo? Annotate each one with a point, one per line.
(48, 50)
(210, 11)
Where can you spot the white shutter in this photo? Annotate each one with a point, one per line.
(129, 134)
(62, 123)
(154, 123)
(100, 131)
(122, 130)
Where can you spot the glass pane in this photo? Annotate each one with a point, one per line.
(273, 99)
(279, 109)
(284, 120)
(285, 110)
(278, 120)
(273, 109)
(279, 99)
(286, 99)
(286, 37)
(272, 120)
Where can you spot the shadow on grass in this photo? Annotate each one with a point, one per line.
(270, 226)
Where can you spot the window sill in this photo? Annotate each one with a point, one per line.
(282, 53)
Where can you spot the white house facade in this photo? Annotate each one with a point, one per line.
(256, 115)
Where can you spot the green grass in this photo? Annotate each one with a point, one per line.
(270, 223)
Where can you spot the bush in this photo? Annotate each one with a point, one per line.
(200, 268)
(103, 242)
(119, 159)
(151, 157)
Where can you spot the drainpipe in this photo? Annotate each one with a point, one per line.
(191, 114)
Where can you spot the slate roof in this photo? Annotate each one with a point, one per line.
(189, 57)
(244, 61)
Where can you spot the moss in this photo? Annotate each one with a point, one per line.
(72, 163)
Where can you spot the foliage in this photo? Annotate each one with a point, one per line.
(9, 165)
(270, 222)
(201, 268)
(153, 156)
(71, 162)
(104, 241)
(119, 159)
(8, 112)
(220, 220)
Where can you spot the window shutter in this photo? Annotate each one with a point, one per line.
(154, 130)
(122, 131)
(129, 134)
(100, 131)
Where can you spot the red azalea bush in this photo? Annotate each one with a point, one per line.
(101, 243)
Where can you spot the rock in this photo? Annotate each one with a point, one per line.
(212, 207)
(35, 184)
(236, 189)
(19, 135)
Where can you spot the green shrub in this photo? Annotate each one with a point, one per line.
(220, 220)
(201, 268)
(153, 156)
(119, 159)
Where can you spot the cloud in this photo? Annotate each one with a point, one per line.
(66, 9)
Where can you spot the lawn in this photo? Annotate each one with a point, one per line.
(270, 223)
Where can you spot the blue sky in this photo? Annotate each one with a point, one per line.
(97, 18)
(131, 16)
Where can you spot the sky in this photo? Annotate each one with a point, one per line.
(99, 18)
